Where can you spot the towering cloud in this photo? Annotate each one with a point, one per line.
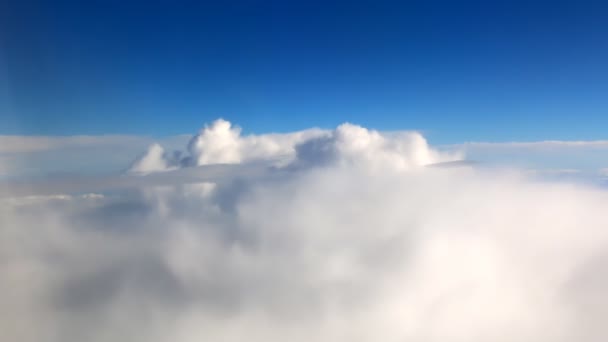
(222, 143)
(348, 238)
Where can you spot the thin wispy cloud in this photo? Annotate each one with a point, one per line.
(25, 144)
(545, 144)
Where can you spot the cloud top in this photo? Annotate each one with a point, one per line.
(348, 238)
(348, 144)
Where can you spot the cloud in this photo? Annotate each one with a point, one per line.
(586, 156)
(351, 240)
(153, 160)
(27, 157)
(547, 144)
(26, 144)
(351, 145)
(222, 143)
(5, 167)
(348, 144)
(217, 173)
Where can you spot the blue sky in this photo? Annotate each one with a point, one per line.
(456, 70)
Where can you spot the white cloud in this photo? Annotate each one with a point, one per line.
(222, 143)
(586, 156)
(554, 171)
(547, 144)
(153, 160)
(27, 144)
(34, 157)
(351, 241)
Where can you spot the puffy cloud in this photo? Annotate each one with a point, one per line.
(351, 145)
(222, 143)
(219, 143)
(350, 241)
(153, 160)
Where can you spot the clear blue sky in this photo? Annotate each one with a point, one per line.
(457, 70)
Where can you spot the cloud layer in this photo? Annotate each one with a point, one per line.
(348, 238)
(26, 144)
(35, 157)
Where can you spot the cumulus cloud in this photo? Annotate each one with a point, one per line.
(350, 240)
(222, 143)
(348, 144)
(154, 160)
(351, 145)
